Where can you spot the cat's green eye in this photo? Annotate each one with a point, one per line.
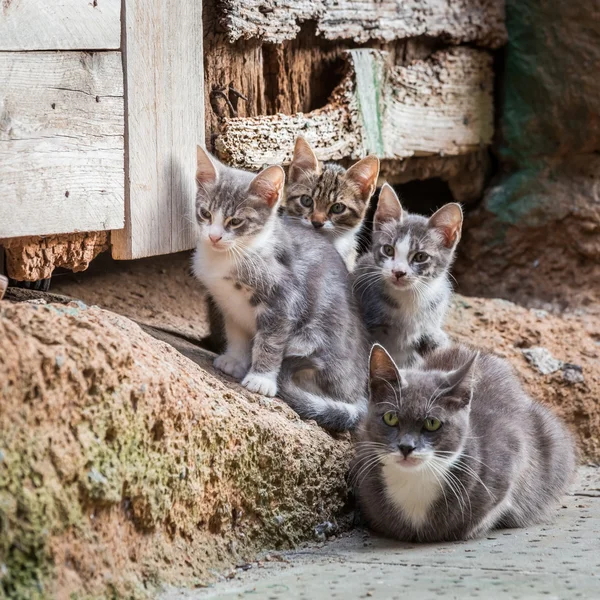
(432, 424)
(306, 201)
(420, 257)
(388, 250)
(390, 418)
(235, 222)
(337, 208)
(205, 214)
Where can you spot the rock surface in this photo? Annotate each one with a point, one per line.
(536, 239)
(124, 465)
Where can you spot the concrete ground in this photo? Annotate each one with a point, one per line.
(559, 560)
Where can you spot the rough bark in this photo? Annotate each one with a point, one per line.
(33, 258)
(439, 106)
(457, 21)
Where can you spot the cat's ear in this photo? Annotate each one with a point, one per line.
(303, 161)
(388, 206)
(448, 220)
(206, 170)
(461, 380)
(268, 185)
(383, 372)
(364, 176)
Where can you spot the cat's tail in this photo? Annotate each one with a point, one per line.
(329, 413)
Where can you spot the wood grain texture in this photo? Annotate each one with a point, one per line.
(60, 25)
(458, 21)
(297, 75)
(165, 106)
(61, 142)
(441, 106)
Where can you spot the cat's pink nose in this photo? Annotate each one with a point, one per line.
(215, 238)
(399, 274)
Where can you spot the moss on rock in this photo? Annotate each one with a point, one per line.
(125, 465)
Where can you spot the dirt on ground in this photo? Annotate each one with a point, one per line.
(496, 325)
(556, 357)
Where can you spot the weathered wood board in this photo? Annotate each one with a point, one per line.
(441, 106)
(60, 24)
(458, 21)
(165, 120)
(61, 142)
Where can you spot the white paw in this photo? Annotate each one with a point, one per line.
(265, 384)
(231, 365)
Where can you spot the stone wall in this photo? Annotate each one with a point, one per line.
(536, 239)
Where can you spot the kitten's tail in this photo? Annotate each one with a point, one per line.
(331, 414)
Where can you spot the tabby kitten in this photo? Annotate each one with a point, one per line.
(403, 283)
(290, 320)
(457, 448)
(330, 199)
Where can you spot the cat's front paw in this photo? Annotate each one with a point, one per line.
(231, 366)
(261, 383)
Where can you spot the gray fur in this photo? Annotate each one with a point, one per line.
(500, 459)
(406, 316)
(290, 319)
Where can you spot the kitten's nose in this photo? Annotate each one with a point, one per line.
(399, 274)
(215, 238)
(317, 224)
(405, 449)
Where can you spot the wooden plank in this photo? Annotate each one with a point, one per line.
(61, 142)
(165, 105)
(60, 25)
(458, 21)
(441, 106)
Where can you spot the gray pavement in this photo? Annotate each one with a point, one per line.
(558, 560)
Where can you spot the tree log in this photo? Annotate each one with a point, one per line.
(439, 106)
(458, 21)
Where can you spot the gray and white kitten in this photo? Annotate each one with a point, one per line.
(289, 316)
(329, 198)
(403, 283)
(456, 448)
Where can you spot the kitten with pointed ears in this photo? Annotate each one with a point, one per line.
(403, 283)
(329, 198)
(290, 320)
(455, 449)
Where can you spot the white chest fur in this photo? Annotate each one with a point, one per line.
(413, 493)
(346, 246)
(216, 272)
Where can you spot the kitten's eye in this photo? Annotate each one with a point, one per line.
(337, 208)
(235, 222)
(205, 214)
(432, 424)
(388, 250)
(390, 418)
(306, 201)
(420, 257)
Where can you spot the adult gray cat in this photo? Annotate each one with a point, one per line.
(290, 319)
(329, 198)
(403, 283)
(456, 448)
